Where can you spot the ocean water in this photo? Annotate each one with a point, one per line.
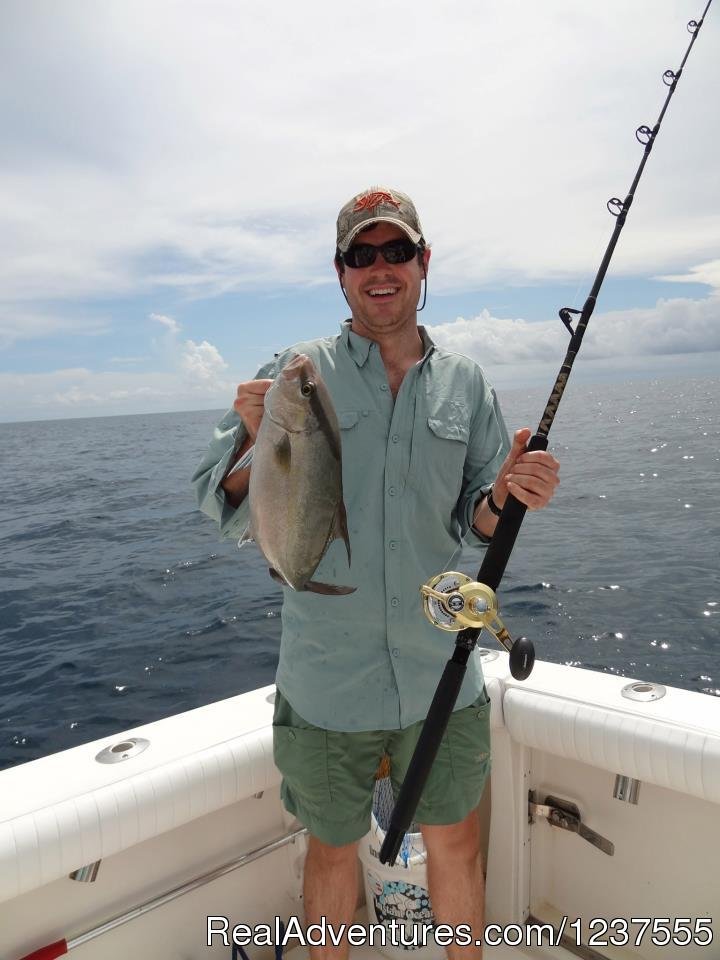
(119, 605)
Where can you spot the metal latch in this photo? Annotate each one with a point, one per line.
(566, 815)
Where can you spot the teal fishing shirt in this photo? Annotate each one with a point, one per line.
(414, 469)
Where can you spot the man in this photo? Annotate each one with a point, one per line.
(425, 464)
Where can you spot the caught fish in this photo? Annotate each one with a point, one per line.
(296, 496)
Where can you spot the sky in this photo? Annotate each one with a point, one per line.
(170, 175)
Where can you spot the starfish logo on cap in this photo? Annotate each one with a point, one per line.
(371, 200)
(377, 204)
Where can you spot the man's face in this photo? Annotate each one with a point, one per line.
(384, 296)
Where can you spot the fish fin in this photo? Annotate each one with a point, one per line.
(283, 453)
(244, 461)
(278, 577)
(314, 586)
(340, 528)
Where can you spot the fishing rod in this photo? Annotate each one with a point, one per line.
(454, 602)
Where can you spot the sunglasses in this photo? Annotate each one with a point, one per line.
(401, 250)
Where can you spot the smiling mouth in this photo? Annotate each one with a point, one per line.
(382, 293)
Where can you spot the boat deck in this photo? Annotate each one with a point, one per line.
(503, 952)
(489, 953)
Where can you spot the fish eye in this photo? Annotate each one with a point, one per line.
(308, 388)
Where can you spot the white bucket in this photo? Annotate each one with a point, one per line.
(399, 893)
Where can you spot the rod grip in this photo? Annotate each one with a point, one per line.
(508, 526)
(425, 752)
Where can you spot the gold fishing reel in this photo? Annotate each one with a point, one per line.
(453, 602)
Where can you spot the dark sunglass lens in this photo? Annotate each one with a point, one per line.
(361, 255)
(398, 251)
(393, 251)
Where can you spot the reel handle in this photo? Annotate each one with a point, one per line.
(522, 653)
(522, 658)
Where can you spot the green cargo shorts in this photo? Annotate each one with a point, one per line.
(329, 777)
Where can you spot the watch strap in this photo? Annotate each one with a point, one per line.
(492, 506)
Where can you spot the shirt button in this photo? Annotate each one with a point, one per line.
(395, 438)
(393, 544)
(391, 491)
(395, 601)
(366, 413)
(383, 386)
(395, 652)
(291, 735)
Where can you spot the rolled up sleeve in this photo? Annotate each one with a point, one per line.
(488, 446)
(208, 476)
(228, 435)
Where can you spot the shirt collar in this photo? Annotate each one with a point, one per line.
(359, 347)
(427, 342)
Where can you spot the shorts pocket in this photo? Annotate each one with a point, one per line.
(301, 757)
(468, 738)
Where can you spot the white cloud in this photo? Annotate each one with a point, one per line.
(202, 361)
(172, 325)
(226, 143)
(708, 273)
(75, 396)
(489, 339)
(670, 327)
(17, 323)
(208, 152)
(513, 350)
(82, 393)
(195, 380)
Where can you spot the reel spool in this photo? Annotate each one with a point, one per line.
(453, 602)
(435, 609)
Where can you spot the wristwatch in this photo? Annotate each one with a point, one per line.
(492, 506)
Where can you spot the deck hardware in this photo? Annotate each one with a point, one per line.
(643, 692)
(123, 750)
(566, 815)
(87, 874)
(626, 788)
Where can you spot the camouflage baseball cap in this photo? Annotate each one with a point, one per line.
(377, 205)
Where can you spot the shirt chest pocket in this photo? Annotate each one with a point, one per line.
(351, 439)
(439, 447)
(347, 419)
